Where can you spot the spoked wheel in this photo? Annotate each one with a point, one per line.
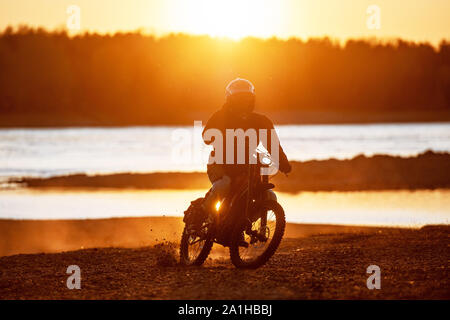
(195, 246)
(252, 244)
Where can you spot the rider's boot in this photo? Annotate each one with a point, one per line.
(208, 209)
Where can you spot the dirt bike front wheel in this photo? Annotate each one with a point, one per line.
(253, 243)
(195, 248)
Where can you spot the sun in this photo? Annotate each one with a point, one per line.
(232, 18)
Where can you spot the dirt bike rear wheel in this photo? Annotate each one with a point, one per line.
(191, 255)
(269, 229)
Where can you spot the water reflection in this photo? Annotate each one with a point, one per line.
(385, 208)
(59, 151)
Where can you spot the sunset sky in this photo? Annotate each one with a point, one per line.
(420, 20)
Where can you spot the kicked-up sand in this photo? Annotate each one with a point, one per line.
(48, 236)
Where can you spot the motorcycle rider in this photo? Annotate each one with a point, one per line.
(236, 113)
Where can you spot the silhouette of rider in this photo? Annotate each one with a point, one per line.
(237, 113)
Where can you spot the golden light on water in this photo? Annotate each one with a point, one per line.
(381, 208)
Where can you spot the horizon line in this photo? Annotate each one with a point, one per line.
(145, 32)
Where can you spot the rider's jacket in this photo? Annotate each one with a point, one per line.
(223, 120)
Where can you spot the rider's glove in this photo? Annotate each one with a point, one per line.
(285, 167)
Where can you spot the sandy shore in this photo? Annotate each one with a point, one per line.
(429, 170)
(320, 262)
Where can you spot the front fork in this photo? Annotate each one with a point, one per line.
(261, 234)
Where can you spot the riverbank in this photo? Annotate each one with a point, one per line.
(429, 170)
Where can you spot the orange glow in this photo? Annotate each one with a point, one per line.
(218, 205)
(417, 20)
(233, 18)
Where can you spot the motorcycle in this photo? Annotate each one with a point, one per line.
(251, 225)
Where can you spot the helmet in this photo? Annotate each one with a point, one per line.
(240, 96)
(239, 85)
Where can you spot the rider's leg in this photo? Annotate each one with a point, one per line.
(220, 186)
(219, 190)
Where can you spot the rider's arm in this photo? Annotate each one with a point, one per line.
(284, 165)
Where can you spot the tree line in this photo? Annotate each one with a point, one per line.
(49, 77)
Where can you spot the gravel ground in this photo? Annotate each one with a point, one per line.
(414, 265)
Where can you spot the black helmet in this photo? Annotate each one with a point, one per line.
(240, 94)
